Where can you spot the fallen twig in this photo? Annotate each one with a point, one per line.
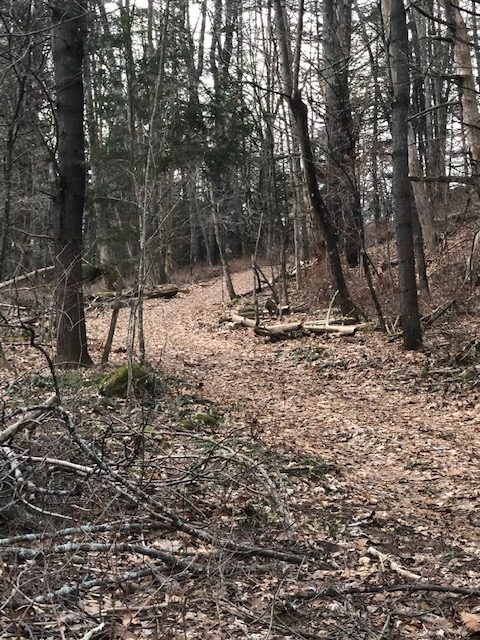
(340, 592)
(26, 419)
(385, 558)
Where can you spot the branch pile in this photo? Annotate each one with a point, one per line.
(290, 329)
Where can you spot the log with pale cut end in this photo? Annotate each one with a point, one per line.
(293, 327)
(340, 329)
(279, 329)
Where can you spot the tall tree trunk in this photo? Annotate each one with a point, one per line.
(468, 92)
(399, 65)
(68, 41)
(342, 198)
(422, 203)
(289, 67)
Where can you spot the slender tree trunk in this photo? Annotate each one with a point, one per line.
(419, 249)
(342, 198)
(227, 277)
(422, 203)
(300, 115)
(399, 64)
(468, 91)
(68, 41)
(299, 110)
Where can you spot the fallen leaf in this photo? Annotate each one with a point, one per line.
(471, 621)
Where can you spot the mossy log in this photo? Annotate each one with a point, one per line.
(165, 291)
(115, 383)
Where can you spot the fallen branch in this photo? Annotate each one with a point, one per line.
(385, 558)
(26, 419)
(88, 529)
(432, 317)
(334, 592)
(166, 291)
(72, 467)
(26, 276)
(292, 327)
(87, 585)
(122, 547)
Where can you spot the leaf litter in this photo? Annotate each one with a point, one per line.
(375, 460)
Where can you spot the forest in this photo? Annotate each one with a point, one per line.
(239, 298)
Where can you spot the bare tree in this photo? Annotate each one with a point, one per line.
(397, 36)
(290, 66)
(343, 197)
(68, 40)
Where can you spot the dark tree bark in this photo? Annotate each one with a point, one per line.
(342, 198)
(290, 70)
(399, 64)
(68, 40)
(300, 114)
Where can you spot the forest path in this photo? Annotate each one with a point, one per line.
(406, 457)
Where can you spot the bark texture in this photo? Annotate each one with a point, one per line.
(342, 198)
(399, 65)
(68, 40)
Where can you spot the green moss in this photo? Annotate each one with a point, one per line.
(199, 421)
(115, 383)
(308, 467)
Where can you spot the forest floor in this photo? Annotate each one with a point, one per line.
(372, 450)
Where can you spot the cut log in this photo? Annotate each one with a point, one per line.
(318, 327)
(278, 329)
(245, 322)
(292, 327)
(165, 291)
(162, 291)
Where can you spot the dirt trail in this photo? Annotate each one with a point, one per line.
(407, 459)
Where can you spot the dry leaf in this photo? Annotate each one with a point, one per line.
(471, 621)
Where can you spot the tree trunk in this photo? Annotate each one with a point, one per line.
(422, 203)
(468, 92)
(399, 64)
(321, 212)
(68, 40)
(300, 116)
(342, 197)
(227, 277)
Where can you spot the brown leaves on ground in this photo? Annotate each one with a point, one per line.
(369, 449)
(471, 621)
